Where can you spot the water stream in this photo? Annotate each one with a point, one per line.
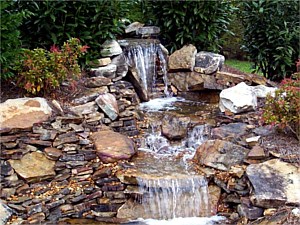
(173, 193)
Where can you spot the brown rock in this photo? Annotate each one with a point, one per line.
(34, 166)
(108, 103)
(24, 112)
(183, 58)
(52, 153)
(186, 81)
(256, 152)
(112, 146)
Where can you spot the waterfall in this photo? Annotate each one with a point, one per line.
(169, 197)
(145, 59)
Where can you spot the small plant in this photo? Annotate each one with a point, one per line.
(46, 70)
(283, 110)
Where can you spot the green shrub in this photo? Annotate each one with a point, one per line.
(200, 23)
(56, 21)
(283, 110)
(272, 35)
(9, 36)
(42, 70)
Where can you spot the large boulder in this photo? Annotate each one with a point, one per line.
(186, 81)
(24, 112)
(110, 48)
(133, 27)
(183, 59)
(112, 146)
(275, 183)
(34, 166)
(108, 103)
(220, 154)
(208, 63)
(237, 99)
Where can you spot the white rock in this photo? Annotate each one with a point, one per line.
(261, 91)
(237, 99)
(110, 48)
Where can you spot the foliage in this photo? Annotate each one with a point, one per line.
(42, 70)
(9, 36)
(200, 23)
(283, 110)
(272, 35)
(55, 21)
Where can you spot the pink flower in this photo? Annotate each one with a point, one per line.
(84, 48)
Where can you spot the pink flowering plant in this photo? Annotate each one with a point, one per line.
(283, 110)
(42, 70)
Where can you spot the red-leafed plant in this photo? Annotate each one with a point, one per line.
(283, 110)
(42, 70)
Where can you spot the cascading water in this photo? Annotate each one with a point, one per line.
(146, 59)
(170, 189)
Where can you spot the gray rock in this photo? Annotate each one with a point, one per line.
(208, 63)
(219, 154)
(250, 212)
(183, 58)
(110, 48)
(90, 95)
(5, 213)
(237, 99)
(232, 130)
(100, 62)
(108, 71)
(108, 103)
(148, 31)
(133, 27)
(5, 168)
(87, 108)
(174, 127)
(275, 183)
(122, 67)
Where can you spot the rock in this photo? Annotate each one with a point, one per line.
(186, 81)
(252, 141)
(237, 99)
(23, 112)
(256, 152)
(5, 168)
(220, 154)
(110, 48)
(108, 71)
(250, 212)
(108, 103)
(214, 197)
(174, 127)
(93, 82)
(53, 153)
(232, 130)
(90, 95)
(148, 31)
(183, 58)
(34, 166)
(208, 63)
(231, 79)
(275, 183)
(5, 213)
(122, 67)
(261, 91)
(100, 62)
(133, 27)
(264, 130)
(87, 108)
(112, 146)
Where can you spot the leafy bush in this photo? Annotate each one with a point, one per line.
(56, 21)
(272, 35)
(283, 110)
(42, 70)
(200, 23)
(9, 36)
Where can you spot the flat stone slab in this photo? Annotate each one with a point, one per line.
(33, 167)
(23, 112)
(275, 183)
